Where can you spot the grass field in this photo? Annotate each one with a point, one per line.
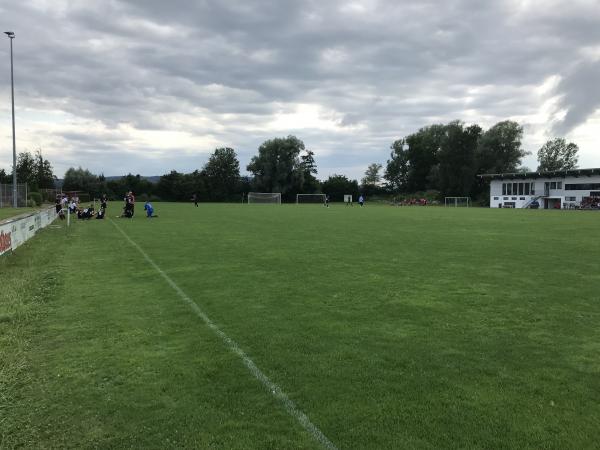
(388, 327)
(5, 213)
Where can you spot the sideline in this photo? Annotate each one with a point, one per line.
(275, 390)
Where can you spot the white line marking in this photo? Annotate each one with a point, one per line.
(275, 390)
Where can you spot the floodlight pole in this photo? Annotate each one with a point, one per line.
(11, 36)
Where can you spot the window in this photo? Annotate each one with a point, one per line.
(515, 188)
(508, 188)
(521, 198)
(570, 199)
(495, 198)
(520, 188)
(513, 198)
(553, 185)
(505, 198)
(503, 188)
(532, 188)
(559, 185)
(582, 186)
(527, 187)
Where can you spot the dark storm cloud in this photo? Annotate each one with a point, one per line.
(580, 96)
(226, 70)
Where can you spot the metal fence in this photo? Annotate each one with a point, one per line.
(49, 195)
(6, 195)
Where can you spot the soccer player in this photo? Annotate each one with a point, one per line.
(58, 207)
(149, 210)
(195, 199)
(132, 201)
(361, 201)
(326, 201)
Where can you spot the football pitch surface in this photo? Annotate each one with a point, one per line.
(378, 327)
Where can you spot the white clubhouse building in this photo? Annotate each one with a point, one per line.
(563, 189)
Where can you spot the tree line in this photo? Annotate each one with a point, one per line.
(442, 160)
(447, 158)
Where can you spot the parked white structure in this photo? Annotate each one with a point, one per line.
(565, 189)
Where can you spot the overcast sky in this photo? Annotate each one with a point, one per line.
(147, 86)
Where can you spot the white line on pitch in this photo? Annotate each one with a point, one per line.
(275, 390)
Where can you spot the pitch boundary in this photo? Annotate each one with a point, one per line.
(273, 388)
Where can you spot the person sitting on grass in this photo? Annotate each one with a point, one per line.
(88, 213)
(149, 210)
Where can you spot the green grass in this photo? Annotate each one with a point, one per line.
(5, 213)
(389, 327)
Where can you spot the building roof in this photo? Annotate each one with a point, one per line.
(547, 174)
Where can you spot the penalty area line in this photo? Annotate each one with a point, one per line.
(273, 388)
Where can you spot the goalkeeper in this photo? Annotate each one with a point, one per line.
(149, 210)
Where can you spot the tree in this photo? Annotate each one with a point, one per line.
(35, 171)
(222, 174)
(43, 175)
(422, 152)
(277, 167)
(5, 178)
(396, 171)
(499, 149)
(372, 177)
(175, 186)
(557, 155)
(26, 170)
(336, 186)
(81, 180)
(456, 171)
(308, 169)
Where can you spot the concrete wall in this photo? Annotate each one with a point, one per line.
(18, 230)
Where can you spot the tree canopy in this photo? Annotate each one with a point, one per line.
(279, 168)
(556, 154)
(221, 174)
(336, 186)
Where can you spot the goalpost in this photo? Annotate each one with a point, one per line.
(310, 198)
(457, 201)
(264, 197)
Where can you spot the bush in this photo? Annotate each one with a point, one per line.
(155, 198)
(36, 197)
(31, 203)
(142, 198)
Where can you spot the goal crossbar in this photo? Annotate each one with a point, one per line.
(457, 201)
(264, 198)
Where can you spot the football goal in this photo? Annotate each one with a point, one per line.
(310, 198)
(457, 201)
(264, 197)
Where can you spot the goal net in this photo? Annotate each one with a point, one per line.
(264, 197)
(310, 198)
(457, 201)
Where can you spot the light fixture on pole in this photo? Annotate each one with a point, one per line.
(11, 35)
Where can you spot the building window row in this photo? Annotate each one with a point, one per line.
(518, 188)
(582, 186)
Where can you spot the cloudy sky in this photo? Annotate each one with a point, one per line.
(146, 86)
